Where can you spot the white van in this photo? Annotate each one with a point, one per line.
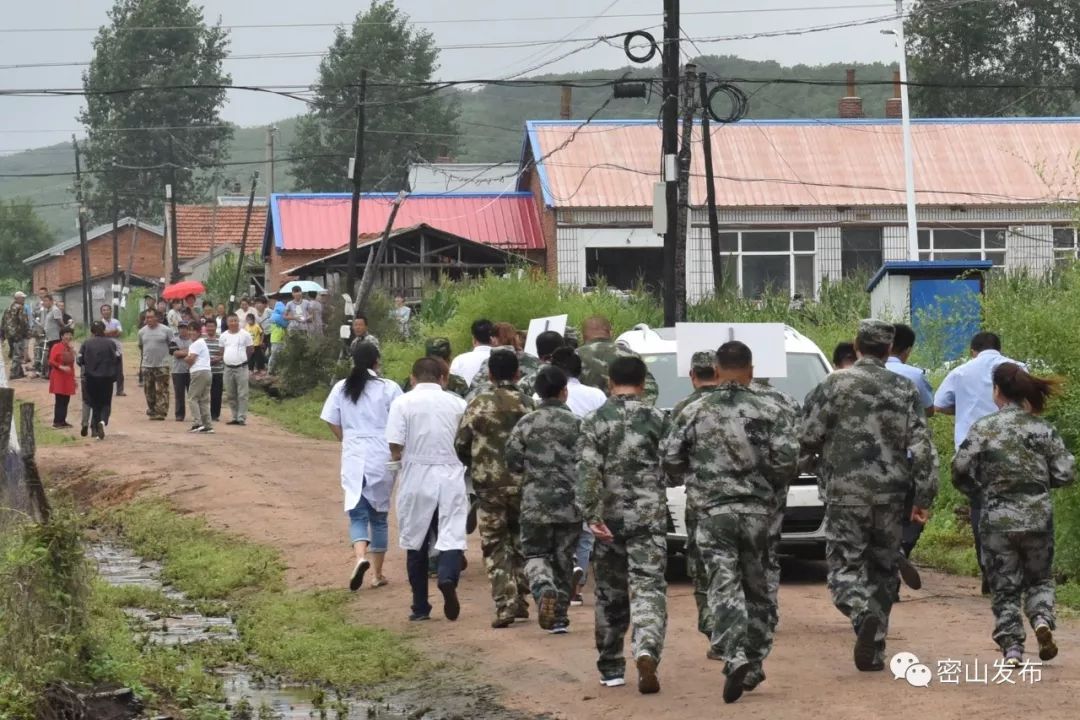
(803, 531)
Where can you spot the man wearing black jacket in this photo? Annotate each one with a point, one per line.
(100, 362)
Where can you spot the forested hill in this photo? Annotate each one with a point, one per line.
(491, 123)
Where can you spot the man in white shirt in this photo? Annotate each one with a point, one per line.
(237, 347)
(197, 357)
(968, 393)
(431, 496)
(466, 365)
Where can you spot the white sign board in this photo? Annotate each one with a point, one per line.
(539, 325)
(766, 342)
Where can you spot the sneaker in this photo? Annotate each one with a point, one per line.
(546, 609)
(502, 621)
(866, 645)
(576, 600)
(205, 430)
(908, 572)
(612, 681)
(195, 428)
(579, 573)
(419, 617)
(733, 685)
(356, 581)
(753, 679)
(100, 430)
(647, 683)
(1014, 657)
(451, 606)
(560, 628)
(1048, 649)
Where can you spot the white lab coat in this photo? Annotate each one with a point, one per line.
(432, 479)
(364, 452)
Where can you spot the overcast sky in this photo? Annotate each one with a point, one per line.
(32, 122)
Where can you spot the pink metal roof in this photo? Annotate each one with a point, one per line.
(815, 162)
(321, 221)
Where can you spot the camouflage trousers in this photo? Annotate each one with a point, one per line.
(772, 562)
(156, 383)
(630, 590)
(549, 561)
(697, 575)
(862, 544)
(1019, 568)
(733, 549)
(500, 542)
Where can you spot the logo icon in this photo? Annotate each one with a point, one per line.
(907, 666)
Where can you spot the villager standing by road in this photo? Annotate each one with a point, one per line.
(542, 448)
(357, 411)
(197, 358)
(300, 312)
(237, 347)
(1012, 459)
(114, 330)
(421, 431)
(181, 374)
(99, 361)
(481, 445)
(53, 324)
(623, 498)
(154, 342)
(217, 368)
(62, 378)
(735, 452)
(868, 427)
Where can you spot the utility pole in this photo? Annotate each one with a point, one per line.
(909, 150)
(689, 105)
(115, 294)
(170, 193)
(84, 256)
(270, 132)
(243, 242)
(670, 121)
(356, 173)
(710, 189)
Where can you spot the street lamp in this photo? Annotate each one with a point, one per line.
(905, 122)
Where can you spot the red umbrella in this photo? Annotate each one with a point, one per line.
(180, 290)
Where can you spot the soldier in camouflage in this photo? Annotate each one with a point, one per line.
(599, 351)
(703, 378)
(542, 448)
(439, 347)
(622, 495)
(481, 444)
(547, 343)
(506, 336)
(867, 428)
(788, 411)
(1011, 460)
(735, 456)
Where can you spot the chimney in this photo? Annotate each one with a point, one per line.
(564, 102)
(893, 107)
(851, 104)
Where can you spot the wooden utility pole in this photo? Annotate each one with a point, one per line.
(710, 190)
(356, 173)
(243, 241)
(670, 122)
(565, 100)
(84, 256)
(376, 255)
(270, 132)
(689, 105)
(114, 292)
(170, 193)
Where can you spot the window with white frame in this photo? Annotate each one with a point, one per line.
(963, 244)
(1065, 248)
(769, 260)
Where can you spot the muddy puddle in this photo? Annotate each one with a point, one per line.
(247, 695)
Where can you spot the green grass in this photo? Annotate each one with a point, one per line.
(44, 434)
(298, 415)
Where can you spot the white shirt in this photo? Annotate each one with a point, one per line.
(970, 390)
(581, 399)
(202, 356)
(233, 346)
(466, 365)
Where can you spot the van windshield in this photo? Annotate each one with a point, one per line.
(805, 371)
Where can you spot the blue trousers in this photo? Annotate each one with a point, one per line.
(366, 524)
(416, 562)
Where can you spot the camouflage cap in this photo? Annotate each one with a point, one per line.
(703, 360)
(875, 332)
(437, 347)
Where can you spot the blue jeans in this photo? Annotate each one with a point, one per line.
(583, 552)
(363, 518)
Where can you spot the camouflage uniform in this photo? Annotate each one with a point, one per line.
(734, 455)
(527, 384)
(16, 326)
(620, 484)
(542, 448)
(1012, 459)
(440, 347)
(864, 424)
(481, 444)
(597, 356)
(527, 364)
(789, 411)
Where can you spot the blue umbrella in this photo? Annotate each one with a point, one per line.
(305, 286)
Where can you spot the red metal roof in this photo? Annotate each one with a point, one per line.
(993, 161)
(321, 222)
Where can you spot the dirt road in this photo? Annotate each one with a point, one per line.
(274, 488)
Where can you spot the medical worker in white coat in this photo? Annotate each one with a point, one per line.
(356, 411)
(431, 500)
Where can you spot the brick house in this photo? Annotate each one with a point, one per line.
(142, 250)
